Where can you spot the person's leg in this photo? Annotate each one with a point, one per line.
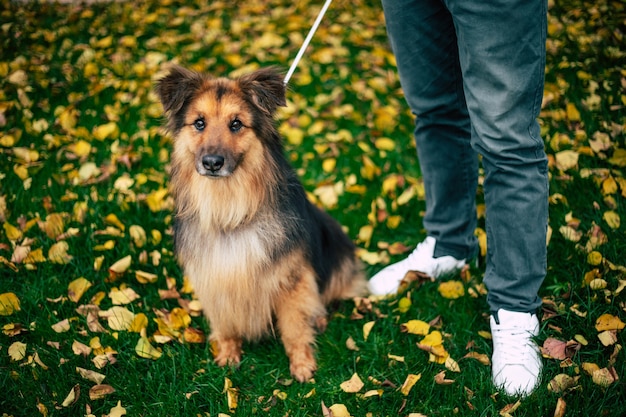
(502, 55)
(423, 39)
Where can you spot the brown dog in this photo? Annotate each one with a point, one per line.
(256, 250)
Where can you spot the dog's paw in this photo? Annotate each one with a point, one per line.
(227, 352)
(303, 371)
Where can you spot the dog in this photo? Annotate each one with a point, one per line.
(261, 257)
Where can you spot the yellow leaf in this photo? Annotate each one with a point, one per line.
(90, 375)
(117, 411)
(385, 144)
(354, 384)
(107, 130)
(146, 277)
(122, 295)
(329, 165)
(138, 235)
(72, 397)
(121, 265)
(609, 322)
(618, 158)
(61, 326)
(339, 410)
(118, 318)
(17, 351)
(609, 186)
(404, 304)
(566, 160)
(140, 321)
(612, 219)
(9, 303)
(145, 350)
(562, 383)
(451, 289)
(418, 327)
(80, 148)
(365, 234)
(113, 220)
(58, 253)
(77, 288)
(608, 337)
(367, 328)
(573, 115)
(13, 233)
(452, 365)
(156, 200)
(594, 258)
(409, 382)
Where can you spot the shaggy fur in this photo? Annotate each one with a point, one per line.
(260, 256)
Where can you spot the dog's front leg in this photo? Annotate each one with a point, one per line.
(296, 314)
(226, 350)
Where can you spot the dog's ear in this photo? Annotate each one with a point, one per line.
(177, 88)
(266, 88)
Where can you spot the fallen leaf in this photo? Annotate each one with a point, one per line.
(440, 379)
(417, 327)
(90, 375)
(72, 397)
(451, 289)
(409, 382)
(17, 351)
(61, 326)
(145, 350)
(117, 411)
(353, 385)
(480, 357)
(367, 328)
(609, 322)
(77, 288)
(562, 383)
(118, 318)
(9, 303)
(98, 392)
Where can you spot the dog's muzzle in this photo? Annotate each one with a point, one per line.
(213, 165)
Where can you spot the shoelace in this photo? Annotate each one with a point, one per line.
(514, 345)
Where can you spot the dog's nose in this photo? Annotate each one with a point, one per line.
(213, 163)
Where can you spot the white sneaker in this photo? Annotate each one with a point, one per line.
(516, 361)
(388, 280)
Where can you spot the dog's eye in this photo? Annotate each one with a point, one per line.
(236, 125)
(199, 124)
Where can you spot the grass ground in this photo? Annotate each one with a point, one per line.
(83, 171)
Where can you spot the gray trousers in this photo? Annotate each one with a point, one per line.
(472, 71)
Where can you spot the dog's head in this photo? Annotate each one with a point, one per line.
(220, 121)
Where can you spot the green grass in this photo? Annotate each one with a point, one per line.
(100, 61)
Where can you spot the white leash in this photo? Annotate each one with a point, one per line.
(306, 41)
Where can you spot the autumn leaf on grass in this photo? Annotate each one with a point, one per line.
(118, 318)
(17, 351)
(72, 397)
(119, 267)
(58, 253)
(559, 349)
(417, 327)
(117, 411)
(90, 375)
(232, 394)
(562, 383)
(433, 344)
(122, 295)
(145, 350)
(409, 382)
(77, 288)
(353, 385)
(9, 303)
(609, 322)
(97, 392)
(451, 289)
(335, 410)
